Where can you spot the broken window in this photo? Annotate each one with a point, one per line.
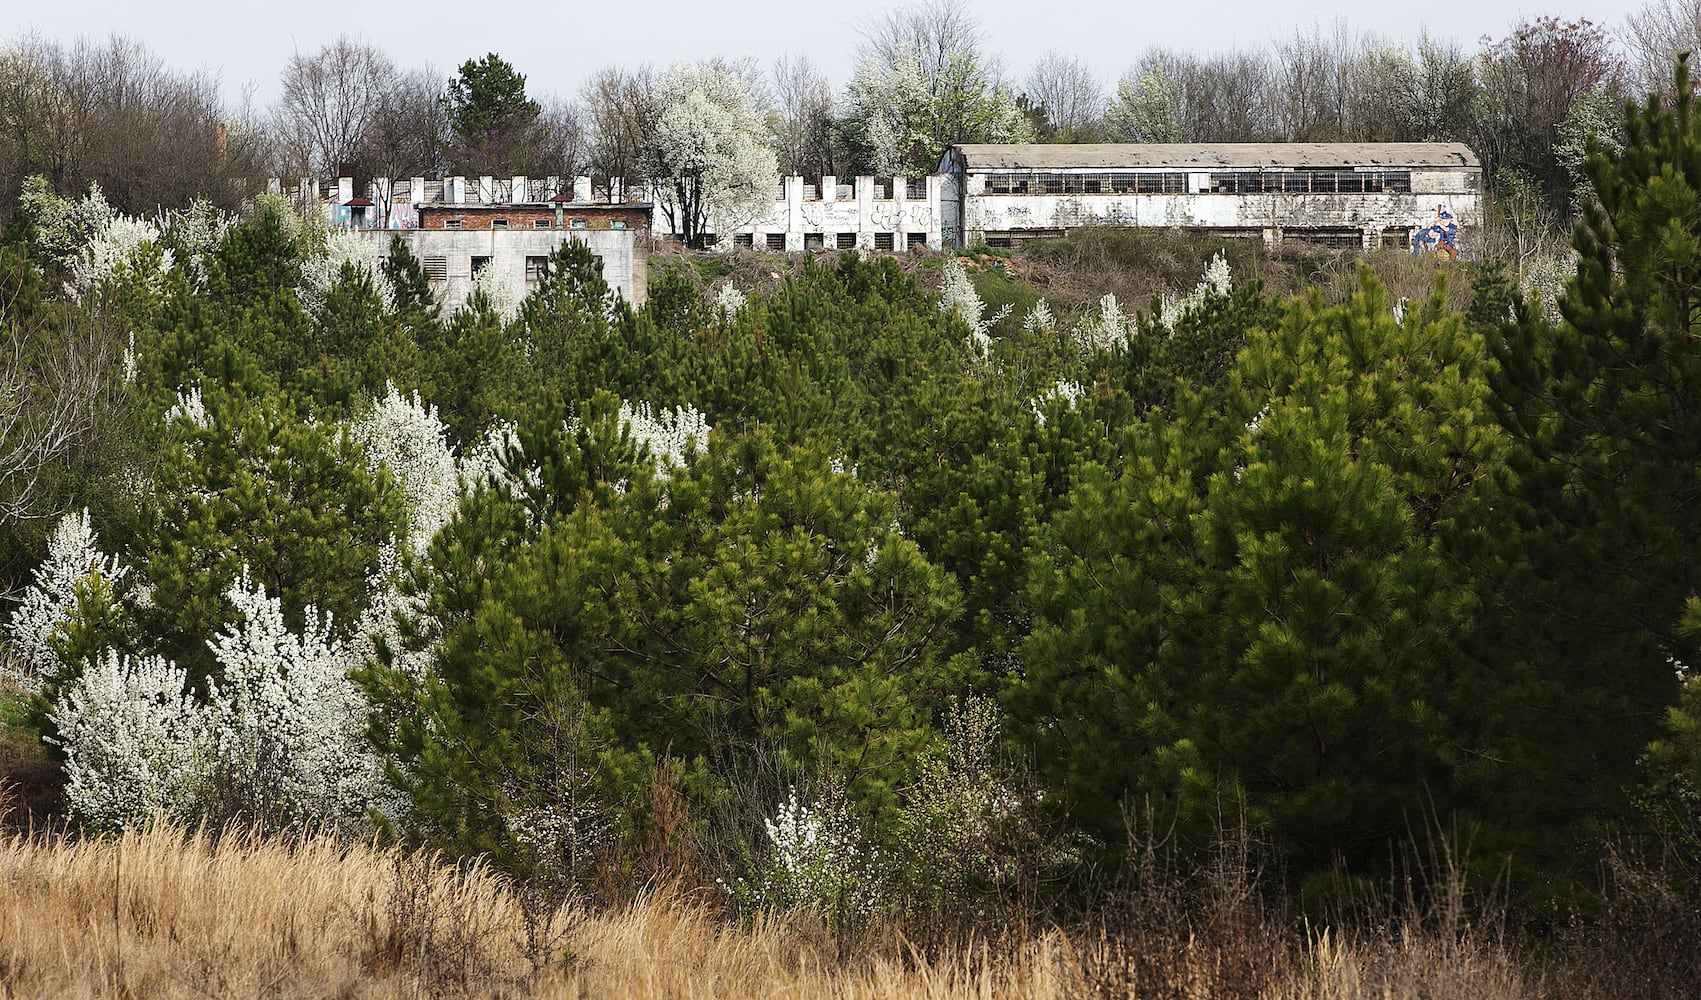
(540, 223)
(747, 240)
(451, 223)
(499, 223)
(915, 187)
(814, 241)
(536, 269)
(479, 263)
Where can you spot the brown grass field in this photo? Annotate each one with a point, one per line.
(164, 913)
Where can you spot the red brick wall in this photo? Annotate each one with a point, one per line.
(521, 217)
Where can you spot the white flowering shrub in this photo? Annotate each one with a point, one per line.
(1216, 283)
(670, 435)
(404, 435)
(730, 300)
(1109, 329)
(114, 251)
(197, 231)
(63, 227)
(816, 859)
(287, 724)
(1067, 393)
(38, 626)
(189, 409)
(504, 290)
(1040, 318)
(957, 296)
(1543, 278)
(136, 743)
(320, 270)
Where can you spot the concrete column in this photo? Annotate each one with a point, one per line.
(486, 189)
(865, 212)
(517, 189)
(829, 189)
(345, 190)
(455, 190)
(416, 190)
(794, 213)
(581, 188)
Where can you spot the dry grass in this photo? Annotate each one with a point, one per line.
(163, 913)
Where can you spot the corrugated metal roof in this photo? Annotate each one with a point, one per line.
(1213, 155)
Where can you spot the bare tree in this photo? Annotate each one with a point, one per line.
(111, 112)
(331, 101)
(1071, 95)
(933, 34)
(57, 380)
(618, 103)
(566, 140)
(801, 120)
(1654, 36)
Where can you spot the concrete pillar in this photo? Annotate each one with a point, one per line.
(345, 190)
(517, 191)
(551, 186)
(794, 213)
(864, 212)
(486, 189)
(581, 188)
(829, 189)
(455, 190)
(416, 190)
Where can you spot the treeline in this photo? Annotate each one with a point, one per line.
(849, 595)
(151, 137)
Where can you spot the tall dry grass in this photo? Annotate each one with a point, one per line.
(167, 913)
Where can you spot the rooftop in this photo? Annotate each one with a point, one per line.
(1213, 155)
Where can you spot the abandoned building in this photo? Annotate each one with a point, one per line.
(1345, 196)
(457, 228)
(1324, 196)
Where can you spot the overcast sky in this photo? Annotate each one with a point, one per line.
(248, 41)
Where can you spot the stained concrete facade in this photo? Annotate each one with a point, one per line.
(458, 226)
(892, 214)
(1323, 195)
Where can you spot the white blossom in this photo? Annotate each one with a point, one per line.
(405, 435)
(708, 156)
(136, 743)
(1109, 329)
(113, 249)
(1215, 283)
(1040, 318)
(198, 230)
(504, 290)
(957, 296)
(816, 858)
(670, 435)
(730, 300)
(1069, 393)
(320, 271)
(73, 558)
(287, 723)
(189, 409)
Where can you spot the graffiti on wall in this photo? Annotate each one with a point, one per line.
(1440, 237)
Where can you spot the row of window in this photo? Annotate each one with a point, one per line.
(818, 241)
(437, 267)
(1314, 182)
(538, 224)
(1172, 182)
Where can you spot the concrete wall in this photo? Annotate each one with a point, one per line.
(862, 208)
(624, 254)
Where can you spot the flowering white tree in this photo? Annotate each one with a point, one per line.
(502, 289)
(901, 114)
(321, 268)
(136, 743)
(708, 156)
(73, 560)
(279, 741)
(958, 297)
(404, 435)
(1215, 283)
(670, 435)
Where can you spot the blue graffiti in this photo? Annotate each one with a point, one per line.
(1441, 237)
